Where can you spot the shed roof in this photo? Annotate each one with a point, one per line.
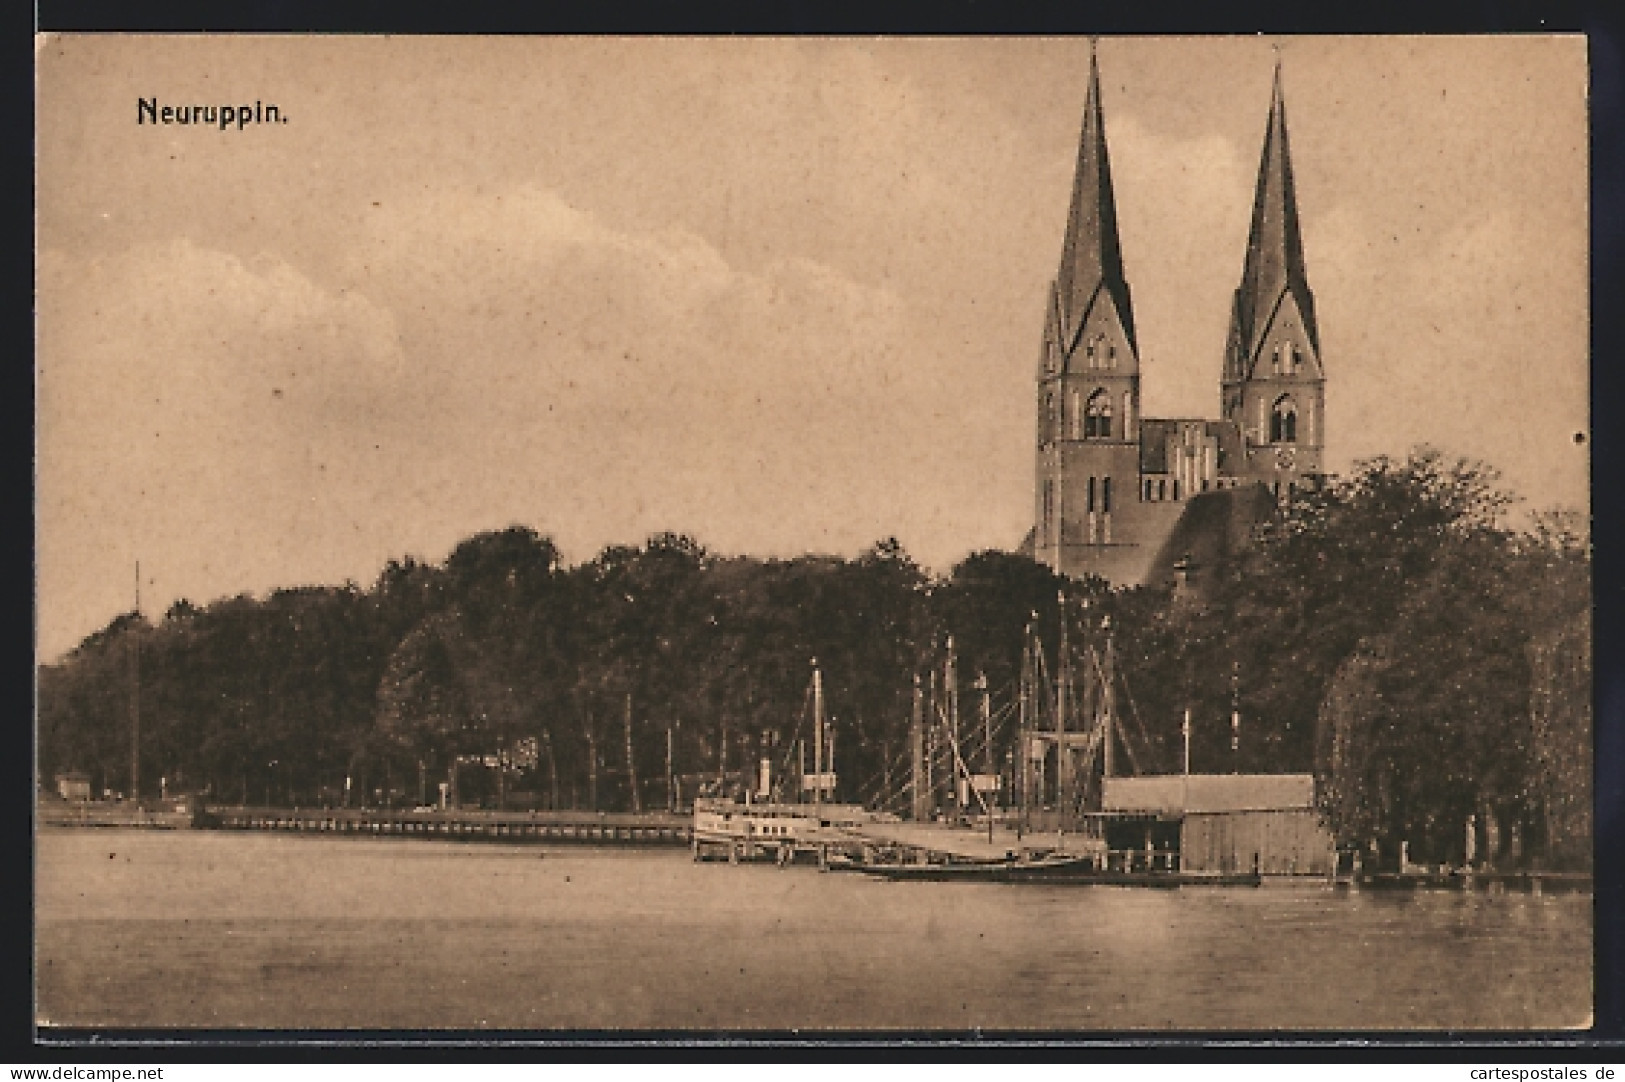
(1209, 792)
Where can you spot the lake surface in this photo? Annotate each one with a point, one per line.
(206, 929)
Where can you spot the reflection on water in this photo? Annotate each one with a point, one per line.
(159, 928)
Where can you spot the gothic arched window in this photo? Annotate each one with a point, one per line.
(1284, 421)
(1097, 416)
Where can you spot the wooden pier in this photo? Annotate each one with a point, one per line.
(1527, 882)
(584, 828)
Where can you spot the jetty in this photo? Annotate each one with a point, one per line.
(514, 827)
(1528, 881)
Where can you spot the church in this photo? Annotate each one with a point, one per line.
(1136, 499)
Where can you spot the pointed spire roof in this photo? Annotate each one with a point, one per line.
(1274, 263)
(1091, 258)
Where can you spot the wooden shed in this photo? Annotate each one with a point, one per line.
(1228, 820)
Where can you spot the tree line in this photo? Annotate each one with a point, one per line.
(1386, 630)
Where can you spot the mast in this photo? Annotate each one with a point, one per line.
(987, 726)
(829, 756)
(135, 693)
(1185, 779)
(1063, 681)
(818, 736)
(1018, 779)
(931, 747)
(885, 767)
(631, 768)
(592, 764)
(950, 680)
(1023, 780)
(552, 774)
(722, 759)
(1108, 700)
(987, 723)
(918, 786)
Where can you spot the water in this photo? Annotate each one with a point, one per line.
(205, 929)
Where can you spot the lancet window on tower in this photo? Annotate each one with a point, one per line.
(1284, 421)
(1286, 360)
(1097, 416)
(1099, 352)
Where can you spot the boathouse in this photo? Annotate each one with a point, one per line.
(1224, 821)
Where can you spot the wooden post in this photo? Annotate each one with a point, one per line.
(631, 767)
(1185, 729)
(1010, 780)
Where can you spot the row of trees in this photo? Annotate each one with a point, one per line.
(1386, 631)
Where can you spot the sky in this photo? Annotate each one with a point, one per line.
(783, 295)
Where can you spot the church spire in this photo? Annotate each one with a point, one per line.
(1274, 264)
(1091, 260)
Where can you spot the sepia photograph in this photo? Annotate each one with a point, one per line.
(876, 535)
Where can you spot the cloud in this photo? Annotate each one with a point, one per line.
(193, 403)
(640, 381)
(478, 359)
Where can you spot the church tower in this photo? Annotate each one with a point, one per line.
(1136, 499)
(1089, 373)
(1274, 387)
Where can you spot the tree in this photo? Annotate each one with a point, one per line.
(1429, 617)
